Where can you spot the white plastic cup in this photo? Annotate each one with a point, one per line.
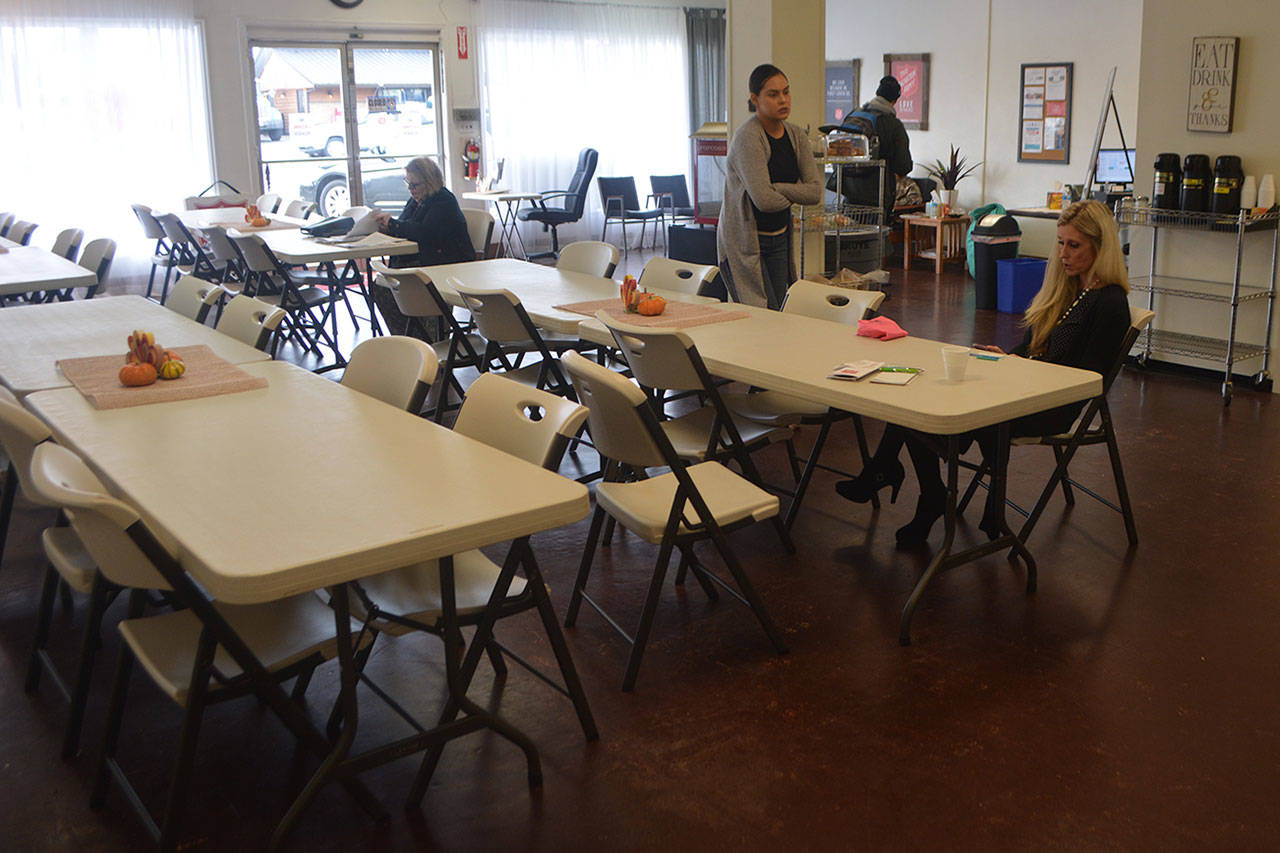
(954, 362)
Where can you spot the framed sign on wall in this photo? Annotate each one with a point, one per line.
(1211, 100)
(842, 89)
(1044, 117)
(912, 72)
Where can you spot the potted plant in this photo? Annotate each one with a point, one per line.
(949, 174)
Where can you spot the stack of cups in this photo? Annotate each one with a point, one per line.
(954, 362)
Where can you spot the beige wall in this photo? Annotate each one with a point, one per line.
(1167, 30)
(976, 48)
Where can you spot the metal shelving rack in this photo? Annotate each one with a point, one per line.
(1226, 350)
(839, 218)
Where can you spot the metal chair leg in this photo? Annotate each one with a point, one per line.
(584, 568)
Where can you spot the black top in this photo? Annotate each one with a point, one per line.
(1089, 338)
(438, 227)
(783, 169)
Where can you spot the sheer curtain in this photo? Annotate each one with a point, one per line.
(558, 77)
(706, 65)
(104, 105)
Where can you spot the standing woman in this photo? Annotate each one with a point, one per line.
(769, 168)
(433, 220)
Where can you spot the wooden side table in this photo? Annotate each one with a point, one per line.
(948, 243)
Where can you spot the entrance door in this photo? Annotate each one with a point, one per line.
(329, 112)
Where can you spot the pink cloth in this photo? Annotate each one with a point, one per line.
(882, 328)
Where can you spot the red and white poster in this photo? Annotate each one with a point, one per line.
(912, 73)
(462, 43)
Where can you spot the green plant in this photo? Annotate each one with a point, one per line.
(950, 175)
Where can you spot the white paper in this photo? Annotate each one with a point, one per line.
(1032, 112)
(1055, 134)
(1032, 96)
(1033, 76)
(366, 224)
(1056, 83)
(1032, 135)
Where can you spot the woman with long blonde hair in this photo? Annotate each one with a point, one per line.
(1078, 319)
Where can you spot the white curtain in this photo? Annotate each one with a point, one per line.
(104, 105)
(557, 77)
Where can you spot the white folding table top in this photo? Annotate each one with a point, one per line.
(34, 337)
(540, 288)
(794, 354)
(306, 483)
(233, 217)
(501, 195)
(27, 268)
(294, 247)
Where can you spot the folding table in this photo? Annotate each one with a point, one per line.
(27, 269)
(34, 337)
(411, 489)
(507, 206)
(233, 217)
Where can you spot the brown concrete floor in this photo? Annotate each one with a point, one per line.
(1131, 703)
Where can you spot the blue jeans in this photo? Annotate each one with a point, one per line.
(775, 264)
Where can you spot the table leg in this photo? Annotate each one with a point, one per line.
(907, 247)
(513, 210)
(939, 246)
(943, 559)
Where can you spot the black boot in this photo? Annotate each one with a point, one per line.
(929, 508)
(874, 477)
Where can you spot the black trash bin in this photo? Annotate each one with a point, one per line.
(995, 238)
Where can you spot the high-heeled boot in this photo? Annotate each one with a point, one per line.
(874, 477)
(929, 508)
(989, 525)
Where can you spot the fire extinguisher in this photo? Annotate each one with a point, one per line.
(471, 157)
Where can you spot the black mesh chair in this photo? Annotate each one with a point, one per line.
(622, 205)
(573, 202)
(671, 194)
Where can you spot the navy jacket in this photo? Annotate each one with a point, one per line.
(438, 227)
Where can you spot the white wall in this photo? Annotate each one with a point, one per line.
(1167, 30)
(976, 48)
(230, 71)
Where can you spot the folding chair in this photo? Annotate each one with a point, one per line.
(307, 306)
(480, 229)
(251, 321)
(504, 324)
(592, 257)
(1085, 433)
(97, 256)
(67, 243)
(161, 256)
(672, 510)
(268, 202)
(186, 251)
(820, 301)
(290, 637)
(537, 427)
(193, 297)
(20, 232)
(395, 369)
(677, 276)
(419, 300)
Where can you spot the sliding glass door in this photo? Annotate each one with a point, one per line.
(337, 122)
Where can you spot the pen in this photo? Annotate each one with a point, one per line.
(984, 356)
(899, 370)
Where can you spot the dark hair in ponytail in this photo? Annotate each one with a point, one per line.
(757, 80)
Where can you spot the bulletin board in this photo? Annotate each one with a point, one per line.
(1044, 117)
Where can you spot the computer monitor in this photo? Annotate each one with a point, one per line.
(1112, 166)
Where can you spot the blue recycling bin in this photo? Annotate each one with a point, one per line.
(1018, 280)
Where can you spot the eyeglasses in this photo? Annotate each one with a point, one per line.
(413, 185)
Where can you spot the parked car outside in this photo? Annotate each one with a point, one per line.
(378, 133)
(383, 187)
(270, 121)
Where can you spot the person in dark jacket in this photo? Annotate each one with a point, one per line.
(1079, 318)
(895, 150)
(433, 220)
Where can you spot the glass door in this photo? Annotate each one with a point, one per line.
(327, 112)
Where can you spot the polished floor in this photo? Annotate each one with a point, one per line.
(1131, 703)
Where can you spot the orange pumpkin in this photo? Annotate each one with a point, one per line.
(651, 305)
(260, 222)
(143, 373)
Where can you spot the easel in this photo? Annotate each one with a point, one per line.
(1108, 101)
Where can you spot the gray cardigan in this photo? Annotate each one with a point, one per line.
(747, 180)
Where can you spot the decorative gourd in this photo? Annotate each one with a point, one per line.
(251, 213)
(141, 373)
(651, 305)
(630, 294)
(260, 222)
(172, 367)
(143, 349)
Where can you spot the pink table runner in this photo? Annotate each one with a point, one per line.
(678, 315)
(207, 375)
